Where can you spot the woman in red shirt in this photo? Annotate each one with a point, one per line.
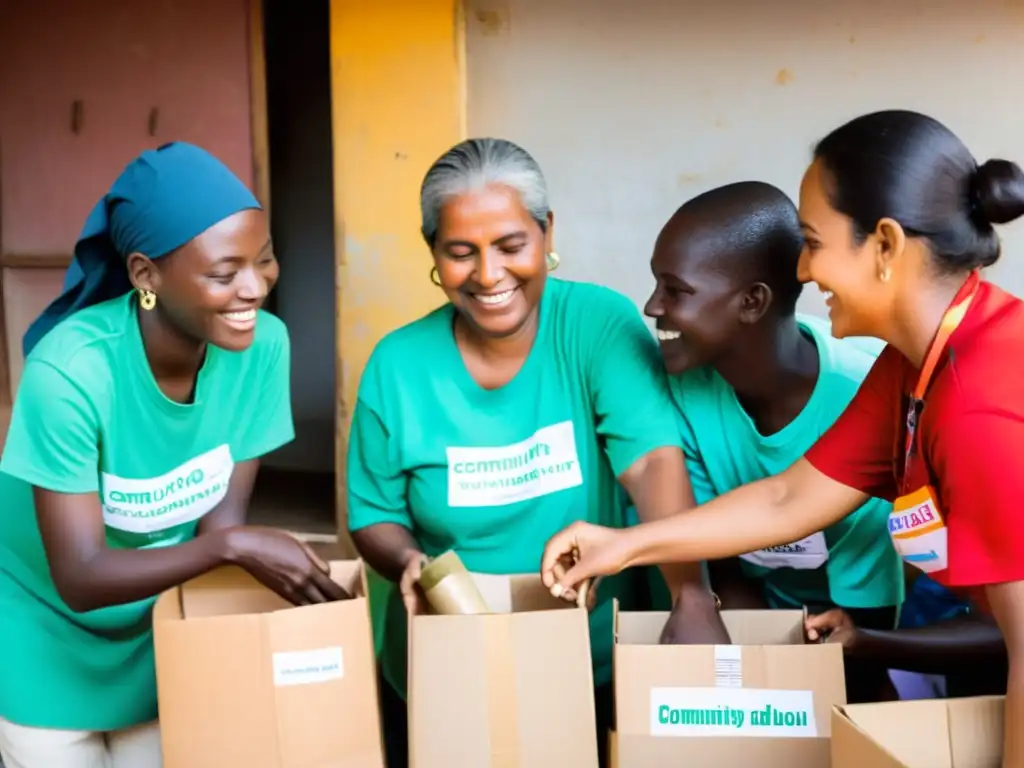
(898, 219)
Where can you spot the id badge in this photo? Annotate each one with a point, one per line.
(918, 531)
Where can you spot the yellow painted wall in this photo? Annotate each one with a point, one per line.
(398, 91)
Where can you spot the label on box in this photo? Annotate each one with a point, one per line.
(728, 666)
(304, 667)
(731, 712)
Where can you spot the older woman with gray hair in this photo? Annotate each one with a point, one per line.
(523, 404)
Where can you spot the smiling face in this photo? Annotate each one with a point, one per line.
(491, 259)
(697, 306)
(211, 287)
(850, 274)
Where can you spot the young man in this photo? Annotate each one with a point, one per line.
(755, 385)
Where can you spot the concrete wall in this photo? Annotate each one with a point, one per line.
(631, 107)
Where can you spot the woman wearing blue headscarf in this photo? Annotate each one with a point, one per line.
(151, 387)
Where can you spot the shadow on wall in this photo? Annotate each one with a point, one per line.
(302, 219)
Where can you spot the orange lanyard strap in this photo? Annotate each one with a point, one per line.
(950, 322)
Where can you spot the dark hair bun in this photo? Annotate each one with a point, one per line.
(998, 191)
(910, 167)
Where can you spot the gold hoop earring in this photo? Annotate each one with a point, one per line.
(147, 299)
(884, 276)
(553, 260)
(435, 278)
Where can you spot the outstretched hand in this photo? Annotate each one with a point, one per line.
(581, 552)
(284, 564)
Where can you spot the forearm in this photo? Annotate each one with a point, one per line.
(659, 488)
(951, 645)
(233, 509)
(223, 517)
(386, 548)
(743, 520)
(119, 576)
(769, 512)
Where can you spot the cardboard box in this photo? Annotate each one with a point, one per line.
(510, 689)
(246, 679)
(938, 733)
(766, 701)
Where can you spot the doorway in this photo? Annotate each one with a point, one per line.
(296, 486)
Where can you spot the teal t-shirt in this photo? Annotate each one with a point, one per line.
(850, 564)
(90, 418)
(492, 474)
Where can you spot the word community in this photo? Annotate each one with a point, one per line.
(728, 712)
(768, 716)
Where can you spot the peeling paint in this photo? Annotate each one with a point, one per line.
(493, 22)
(388, 62)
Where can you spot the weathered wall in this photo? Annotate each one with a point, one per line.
(188, 59)
(397, 81)
(632, 107)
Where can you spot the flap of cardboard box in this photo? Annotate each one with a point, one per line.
(744, 627)
(244, 683)
(951, 733)
(518, 593)
(231, 591)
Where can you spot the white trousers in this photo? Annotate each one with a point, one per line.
(135, 747)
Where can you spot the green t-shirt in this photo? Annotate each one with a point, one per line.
(90, 418)
(850, 564)
(492, 474)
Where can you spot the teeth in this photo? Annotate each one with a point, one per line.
(241, 317)
(668, 335)
(495, 298)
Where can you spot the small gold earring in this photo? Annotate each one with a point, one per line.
(553, 260)
(884, 275)
(147, 299)
(435, 278)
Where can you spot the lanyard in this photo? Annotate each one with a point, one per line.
(950, 322)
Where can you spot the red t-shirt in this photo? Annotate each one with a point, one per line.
(970, 440)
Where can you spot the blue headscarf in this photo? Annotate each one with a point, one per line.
(163, 199)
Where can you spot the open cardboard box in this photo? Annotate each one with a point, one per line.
(764, 701)
(246, 679)
(938, 733)
(509, 689)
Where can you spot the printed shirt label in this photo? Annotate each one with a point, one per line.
(732, 712)
(305, 667)
(802, 555)
(918, 532)
(180, 496)
(545, 463)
